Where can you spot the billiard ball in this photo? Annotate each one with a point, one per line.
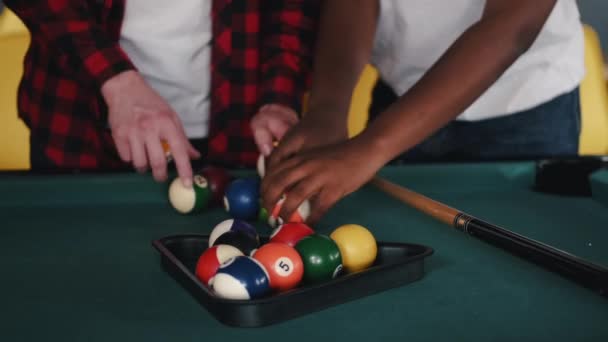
(235, 225)
(167, 151)
(261, 165)
(190, 200)
(238, 239)
(300, 215)
(211, 260)
(283, 264)
(357, 246)
(241, 278)
(321, 258)
(263, 215)
(290, 233)
(218, 179)
(241, 199)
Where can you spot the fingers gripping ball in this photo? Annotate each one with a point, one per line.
(233, 225)
(291, 233)
(321, 258)
(283, 264)
(241, 200)
(211, 260)
(300, 215)
(190, 200)
(357, 246)
(241, 278)
(261, 163)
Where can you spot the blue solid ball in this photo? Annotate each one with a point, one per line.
(241, 278)
(241, 199)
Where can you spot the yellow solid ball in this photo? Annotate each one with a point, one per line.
(357, 246)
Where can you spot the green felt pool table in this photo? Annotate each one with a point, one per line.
(78, 265)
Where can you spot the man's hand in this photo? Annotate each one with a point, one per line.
(140, 121)
(270, 124)
(324, 175)
(277, 123)
(314, 130)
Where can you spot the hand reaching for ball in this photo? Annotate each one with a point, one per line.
(140, 121)
(324, 175)
(316, 129)
(270, 124)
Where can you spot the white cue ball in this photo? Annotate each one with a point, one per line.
(182, 199)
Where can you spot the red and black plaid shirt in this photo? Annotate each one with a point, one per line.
(261, 54)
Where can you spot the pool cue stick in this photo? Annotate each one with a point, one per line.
(579, 270)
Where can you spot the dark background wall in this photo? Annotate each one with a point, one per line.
(595, 13)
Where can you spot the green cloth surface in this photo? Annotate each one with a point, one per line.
(599, 186)
(78, 265)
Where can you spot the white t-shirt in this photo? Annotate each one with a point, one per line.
(169, 43)
(413, 34)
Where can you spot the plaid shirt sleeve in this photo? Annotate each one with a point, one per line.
(289, 28)
(70, 26)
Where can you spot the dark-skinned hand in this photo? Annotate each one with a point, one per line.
(322, 175)
(309, 133)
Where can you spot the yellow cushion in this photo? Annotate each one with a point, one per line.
(361, 100)
(14, 40)
(594, 99)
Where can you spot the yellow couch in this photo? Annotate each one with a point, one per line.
(594, 99)
(14, 40)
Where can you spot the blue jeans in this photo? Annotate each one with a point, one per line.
(548, 130)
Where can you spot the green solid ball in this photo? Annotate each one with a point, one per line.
(321, 258)
(263, 215)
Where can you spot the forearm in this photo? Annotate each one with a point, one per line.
(347, 30)
(469, 67)
(70, 29)
(289, 31)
